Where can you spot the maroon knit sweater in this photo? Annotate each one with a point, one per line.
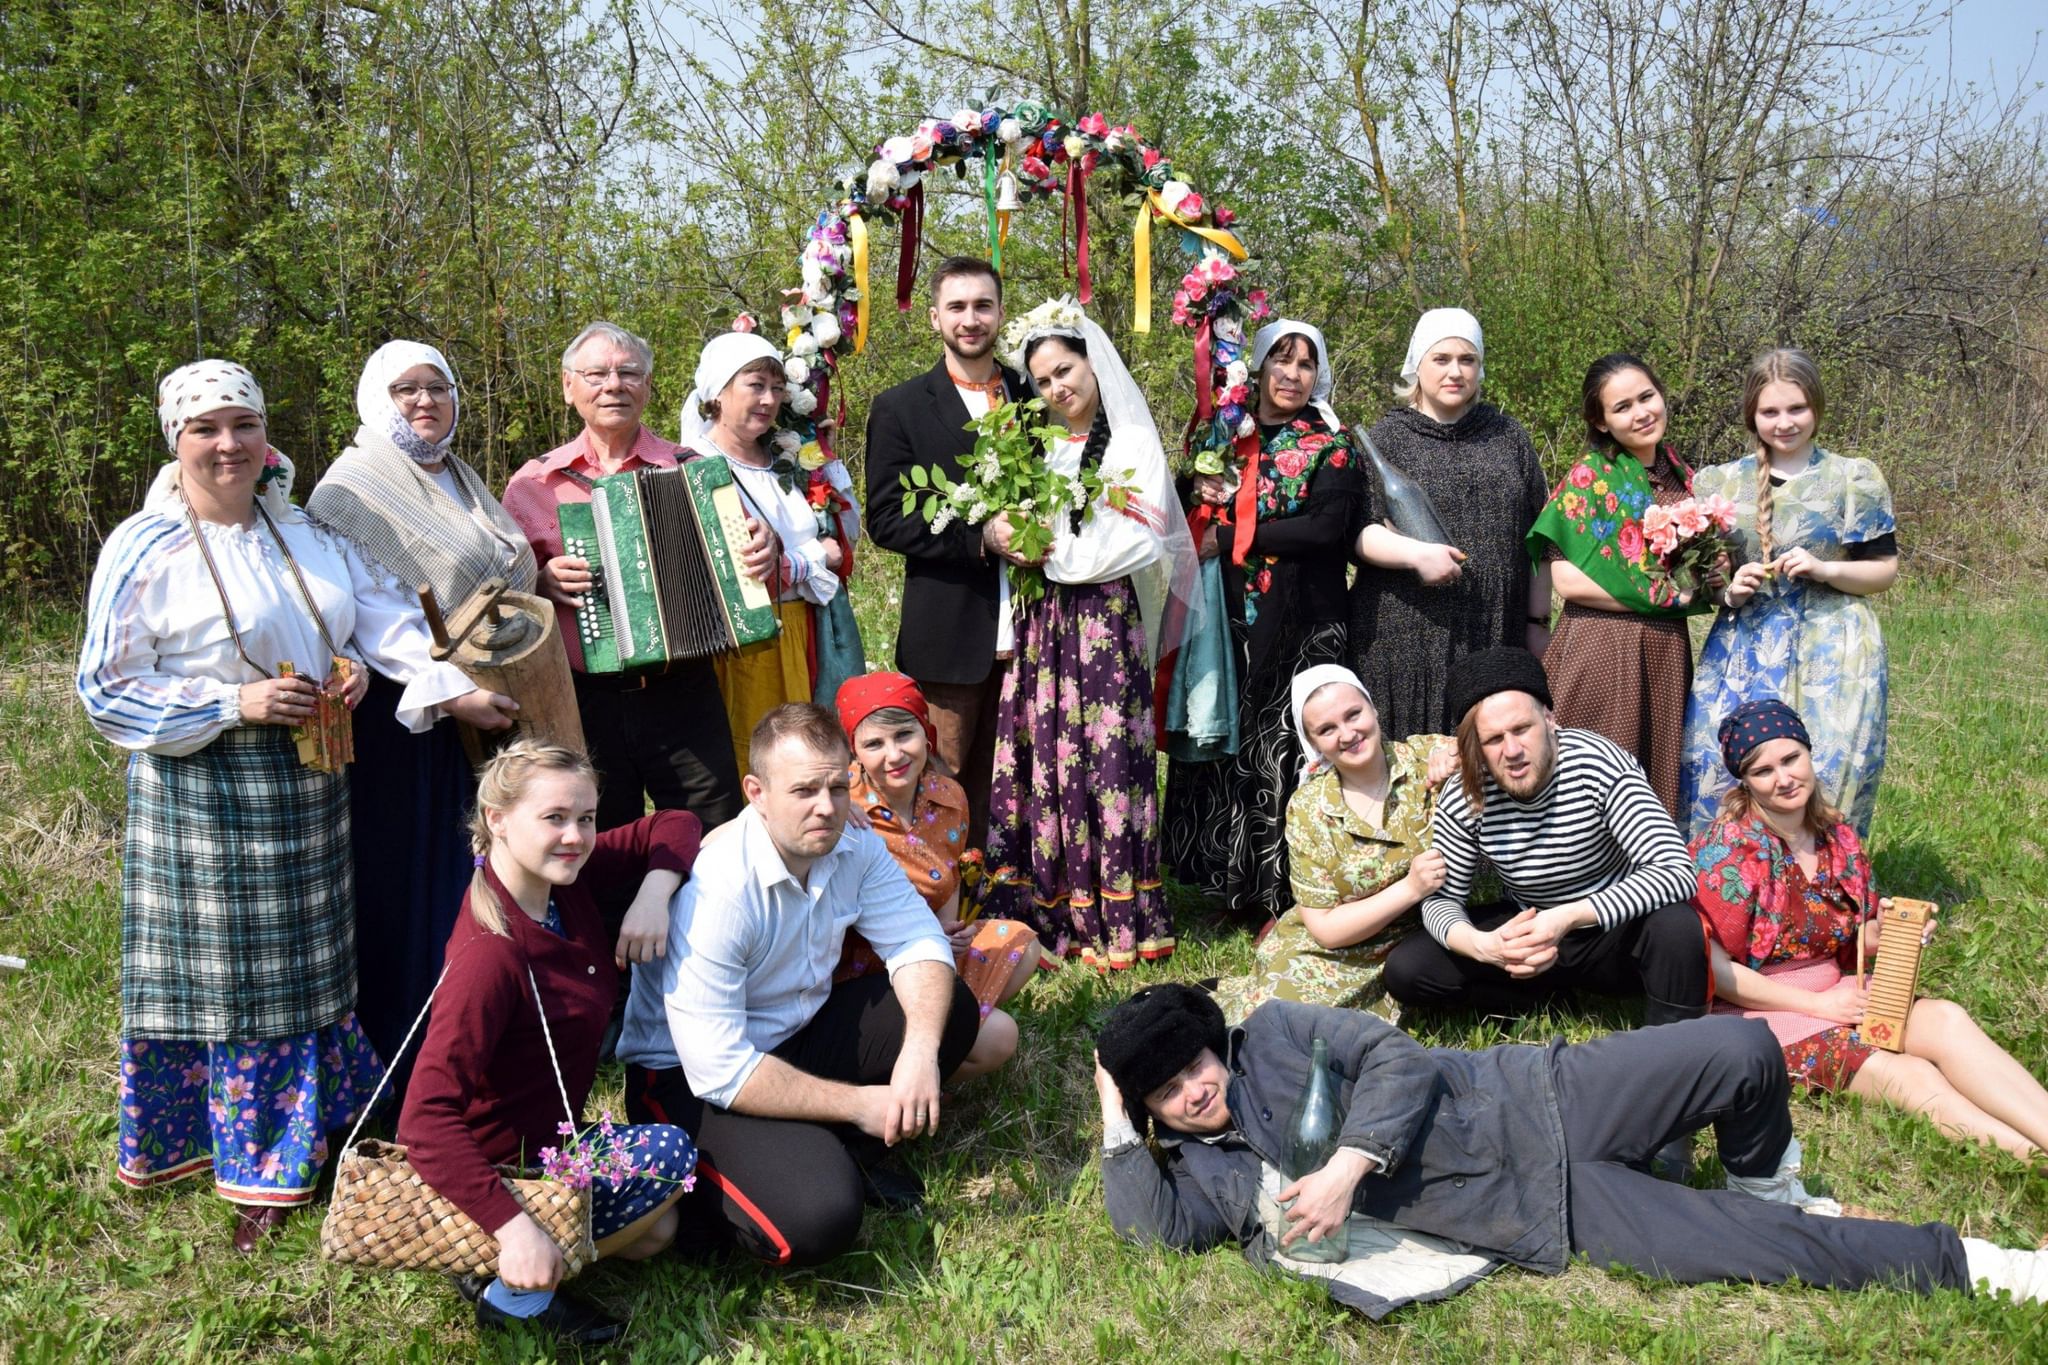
(483, 1092)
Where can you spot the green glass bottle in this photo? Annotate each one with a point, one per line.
(1311, 1144)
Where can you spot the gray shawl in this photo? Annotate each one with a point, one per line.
(406, 523)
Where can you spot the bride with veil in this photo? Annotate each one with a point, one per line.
(1073, 844)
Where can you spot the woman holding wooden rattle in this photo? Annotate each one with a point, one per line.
(1794, 921)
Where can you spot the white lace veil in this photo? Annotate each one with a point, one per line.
(1169, 588)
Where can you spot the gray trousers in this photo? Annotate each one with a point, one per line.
(1626, 1095)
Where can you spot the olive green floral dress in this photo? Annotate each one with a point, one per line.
(1335, 857)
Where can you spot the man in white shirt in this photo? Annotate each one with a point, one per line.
(795, 1088)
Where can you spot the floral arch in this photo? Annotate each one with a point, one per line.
(1025, 153)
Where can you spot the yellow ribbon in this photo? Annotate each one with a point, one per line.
(857, 233)
(1222, 237)
(1141, 269)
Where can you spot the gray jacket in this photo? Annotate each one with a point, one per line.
(1469, 1145)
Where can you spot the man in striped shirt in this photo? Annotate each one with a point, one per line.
(1596, 876)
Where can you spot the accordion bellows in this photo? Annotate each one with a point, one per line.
(384, 1215)
(669, 585)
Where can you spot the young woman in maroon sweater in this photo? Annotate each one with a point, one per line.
(485, 1091)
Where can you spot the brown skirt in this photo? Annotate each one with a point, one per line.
(1627, 677)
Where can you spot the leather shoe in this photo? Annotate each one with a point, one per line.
(564, 1319)
(470, 1286)
(887, 1188)
(257, 1223)
(1673, 1160)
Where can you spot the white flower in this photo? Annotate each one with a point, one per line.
(991, 467)
(802, 401)
(1076, 494)
(908, 181)
(1229, 329)
(1117, 140)
(978, 513)
(1235, 373)
(882, 180)
(967, 120)
(825, 328)
(805, 344)
(1076, 145)
(1028, 505)
(1009, 130)
(1248, 426)
(797, 371)
(796, 315)
(898, 150)
(819, 297)
(944, 519)
(1172, 192)
(788, 442)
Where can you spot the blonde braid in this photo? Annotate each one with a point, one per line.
(1763, 503)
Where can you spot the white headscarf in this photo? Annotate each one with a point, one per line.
(1306, 684)
(1171, 601)
(380, 412)
(199, 388)
(208, 386)
(1433, 327)
(725, 355)
(1269, 336)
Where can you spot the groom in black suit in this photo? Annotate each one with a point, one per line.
(952, 637)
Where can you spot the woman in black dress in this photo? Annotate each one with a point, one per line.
(1416, 607)
(1283, 588)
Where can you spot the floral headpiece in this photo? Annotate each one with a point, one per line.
(1053, 318)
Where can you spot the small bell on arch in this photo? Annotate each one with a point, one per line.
(1007, 198)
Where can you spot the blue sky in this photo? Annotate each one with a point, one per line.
(1991, 42)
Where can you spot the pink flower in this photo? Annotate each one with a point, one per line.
(237, 1089)
(1224, 217)
(1191, 208)
(1034, 169)
(1720, 511)
(1581, 475)
(1291, 462)
(1095, 125)
(1150, 156)
(1260, 308)
(1691, 520)
(1631, 540)
(1215, 269)
(745, 323)
(197, 1074)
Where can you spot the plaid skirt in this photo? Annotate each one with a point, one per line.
(237, 893)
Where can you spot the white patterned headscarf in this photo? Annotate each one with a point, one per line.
(1433, 327)
(1269, 336)
(1306, 684)
(204, 386)
(199, 388)
(380, 412)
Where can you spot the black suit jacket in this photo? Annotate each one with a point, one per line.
(947, 632)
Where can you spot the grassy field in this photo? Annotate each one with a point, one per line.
(1013, 1259)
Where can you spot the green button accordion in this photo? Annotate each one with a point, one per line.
(661, 545)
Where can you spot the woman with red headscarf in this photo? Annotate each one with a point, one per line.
(921, 814)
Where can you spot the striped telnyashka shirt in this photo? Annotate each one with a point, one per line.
(1596, 833)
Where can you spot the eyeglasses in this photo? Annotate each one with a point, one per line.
(405, 393)
(628, 374)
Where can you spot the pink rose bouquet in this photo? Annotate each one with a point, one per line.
(1689, 537)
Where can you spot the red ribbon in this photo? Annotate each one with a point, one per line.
(1203, 374)
(825, 406)
(1244, 513)
(906, 265)
(1077, 195)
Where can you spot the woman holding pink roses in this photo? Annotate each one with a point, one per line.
(1817, 541)
(1620, 661)
(1283, 593)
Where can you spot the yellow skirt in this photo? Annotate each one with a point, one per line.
(757, 678)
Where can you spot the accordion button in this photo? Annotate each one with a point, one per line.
(591, 971)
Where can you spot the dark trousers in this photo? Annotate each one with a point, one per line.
(789, 1192)
(1626, 1095)
(1661, 956)
(964, 716)
(661, 735)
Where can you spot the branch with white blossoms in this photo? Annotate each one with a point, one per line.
(1007, 475)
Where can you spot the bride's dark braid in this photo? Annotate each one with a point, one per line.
(1091, 459)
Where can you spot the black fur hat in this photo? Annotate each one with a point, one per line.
(1151, 1037)
(1478, 676)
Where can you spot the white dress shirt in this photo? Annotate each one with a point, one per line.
(751, 952)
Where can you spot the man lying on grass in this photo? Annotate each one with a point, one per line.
(1525, 1154)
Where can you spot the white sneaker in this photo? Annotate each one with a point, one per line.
(1996, 1270)
(1784, 1187)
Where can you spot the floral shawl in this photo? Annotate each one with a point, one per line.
(1287, 464)
(1595, 518)
(1743, 886)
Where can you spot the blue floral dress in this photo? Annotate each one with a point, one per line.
(1814, 647)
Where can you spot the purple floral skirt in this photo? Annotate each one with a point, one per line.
(256, 1112)
(1074, 814)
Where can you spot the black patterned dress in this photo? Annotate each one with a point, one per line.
(1225, 830)
(1482, 474)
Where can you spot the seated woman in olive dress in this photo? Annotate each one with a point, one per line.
(900, 788)
(1358, 845)
(1783, 884)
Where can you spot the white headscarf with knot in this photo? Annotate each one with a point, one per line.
(1269, 336)
(1306, 684)
(380, 412)
(725, 355)
(208, 386)
(1433, 327)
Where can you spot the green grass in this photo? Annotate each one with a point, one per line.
(1014, 1259)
